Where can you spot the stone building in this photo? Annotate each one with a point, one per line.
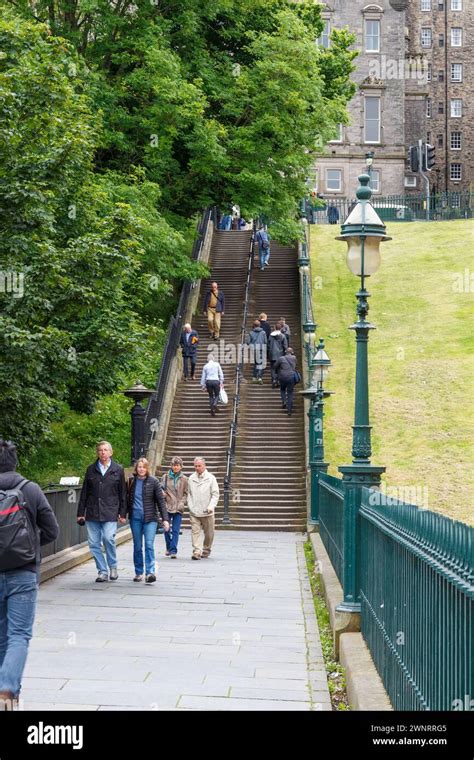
(407, 90)
(443, 32)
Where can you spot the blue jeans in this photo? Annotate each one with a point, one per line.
(172, 537)
(264, 254)
(143, 530)
(98, 533)
(18, 591)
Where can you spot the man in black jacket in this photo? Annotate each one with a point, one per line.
(103, 501)
(189, 342)
(19, 585)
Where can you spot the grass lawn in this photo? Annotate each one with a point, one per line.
(421, 358)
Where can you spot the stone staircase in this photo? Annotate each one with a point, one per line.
(268, 478)
(192, 431)
(269, 473)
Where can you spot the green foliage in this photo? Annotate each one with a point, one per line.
(96, 257)
(335, 671)
(119, 123)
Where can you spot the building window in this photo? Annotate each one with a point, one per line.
(425, 5)
(441, 5)
(372, 119)
(456, 108)
(375, 180)
(456, 140)
(456, 36)
(441, 40)
(338, 136)
(456, 172)
(456, 72)
(441, 75)
(334, 180)
(428, 137)
(372, 36)
(426, 36)
(410, 181)
(440, 107)
(455, 200)
(324, 41)
(429, 73)
(429, 108)
(440, 141)
(456, 5)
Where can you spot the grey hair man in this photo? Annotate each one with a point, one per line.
(103, 501)
(203, 497)
(212, 380)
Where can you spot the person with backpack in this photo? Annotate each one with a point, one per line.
(285, 367)
(175, 488)
(189, 342)
(145, 505)
(277, 346)
(258, 339)
(263, 241)
(26, 523)
(103, 501)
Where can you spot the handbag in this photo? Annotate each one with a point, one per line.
(223, 398)
(297, 377)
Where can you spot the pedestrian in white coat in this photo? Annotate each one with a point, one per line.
(203, 496)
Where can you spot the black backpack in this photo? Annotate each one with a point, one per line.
(17, 534)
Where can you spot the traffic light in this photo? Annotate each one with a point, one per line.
(414, 156)
(429, 157)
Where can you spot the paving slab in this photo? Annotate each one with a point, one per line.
(236, 632)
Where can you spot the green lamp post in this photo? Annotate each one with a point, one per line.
(319, 367)
(363, 231)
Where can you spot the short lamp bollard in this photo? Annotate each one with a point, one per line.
(316, 394)
(138, 392)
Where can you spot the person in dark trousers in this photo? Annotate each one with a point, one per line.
(145, 504)
(103, 501)
(214, 308)
(175, 487)
(285, 329)
(189, 342)
(19, 583)
(285, 367)
(212, 380)
(277, 346)
(258, 339)
(265, 325)
(263, 241)
(333, 214)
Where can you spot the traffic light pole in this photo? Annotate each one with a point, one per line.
(427, 181)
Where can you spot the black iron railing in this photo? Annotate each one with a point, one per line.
(239, 371)
(175, 326)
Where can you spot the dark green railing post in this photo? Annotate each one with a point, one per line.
(316, 453)
(318, 367)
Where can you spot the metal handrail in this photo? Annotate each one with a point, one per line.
(239, 371)
(175, 326)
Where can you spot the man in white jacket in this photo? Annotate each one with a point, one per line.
(203, 496)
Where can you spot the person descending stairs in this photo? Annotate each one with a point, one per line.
(192, 431)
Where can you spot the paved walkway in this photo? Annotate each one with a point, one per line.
(234, 632)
